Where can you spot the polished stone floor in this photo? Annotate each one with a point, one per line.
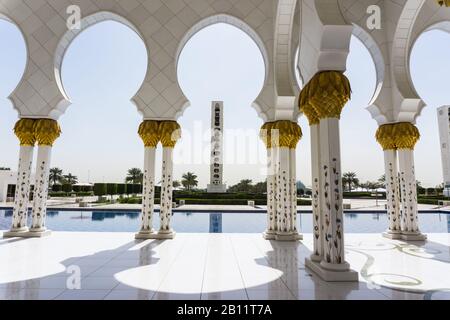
(216, 266)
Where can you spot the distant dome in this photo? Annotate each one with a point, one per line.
(300, 186)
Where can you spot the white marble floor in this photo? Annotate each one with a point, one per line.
(215, 266)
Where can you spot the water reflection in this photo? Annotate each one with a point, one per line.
(214, 222)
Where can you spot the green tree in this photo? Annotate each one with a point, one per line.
(176, 184)
(382, 179)
(189, 181)
(243, 186)
(260, 187)
(70, 179)
(100, 190)
(56, 176)
(121, 189)
(111, 189)
(67, 188)
(351, 180)
(135, 176)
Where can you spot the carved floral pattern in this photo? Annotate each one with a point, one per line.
(333, 213)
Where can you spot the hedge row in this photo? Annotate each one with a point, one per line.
(230, 195)
(259, 202)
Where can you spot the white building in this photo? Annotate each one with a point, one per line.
(8, 181)
(444, 134)
(216, 182)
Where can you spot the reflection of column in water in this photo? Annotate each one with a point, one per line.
(215, 223)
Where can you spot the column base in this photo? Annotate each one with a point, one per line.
(393, 235)
(269, 235)
(315, 258)
(162, 235)
(41, 233)
(145, 235)
(288, 236)
(413, 236)
(15, 233)
(346, 275)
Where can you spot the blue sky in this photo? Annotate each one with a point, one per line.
(106, 64)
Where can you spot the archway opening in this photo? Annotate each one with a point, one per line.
(357, 126)
(430, 72)
(221, 63)
(13, 59)
(102, 70)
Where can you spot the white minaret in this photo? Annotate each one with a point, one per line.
(216, 185)
(444, 134)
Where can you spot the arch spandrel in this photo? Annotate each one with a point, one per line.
(161, 25)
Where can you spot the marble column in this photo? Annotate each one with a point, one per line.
(286, 135)
(317, 254)
(293, 179)
(266, 137)
(314, 123)
(149, 132)
(170, 133)
(408, 188)
(386, 139)
(392, 194)
(406, 136)
(328, 92)
(24, 130)
(283, 193)
(46, 131)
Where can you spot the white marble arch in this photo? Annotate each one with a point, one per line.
(416, 18)
(8, 19)
(64, 45)
(241, 25)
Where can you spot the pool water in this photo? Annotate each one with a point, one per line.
(187, 222)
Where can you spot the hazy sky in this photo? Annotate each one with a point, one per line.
(106, 64)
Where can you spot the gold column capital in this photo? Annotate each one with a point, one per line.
(327, 92)
(444, 3)
(400, 135)
(266, 134)
(149, 133)
(169, 133)
(286, 133)
(46, 131)
(406, 135)
(385, 137)
(24, 130)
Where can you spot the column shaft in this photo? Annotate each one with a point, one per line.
(316, 194)
(148, 190)
(166, 190)
(331, 175)
(283, 192)
(408, 189)
(293, 187)
(41, 189)
(392, 193)
(23, 186)
(271, 194)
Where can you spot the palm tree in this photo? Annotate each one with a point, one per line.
(56, 175)
(350, 179)
(70, 179)
(135, 176)
(189, 181)
(176, 184)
